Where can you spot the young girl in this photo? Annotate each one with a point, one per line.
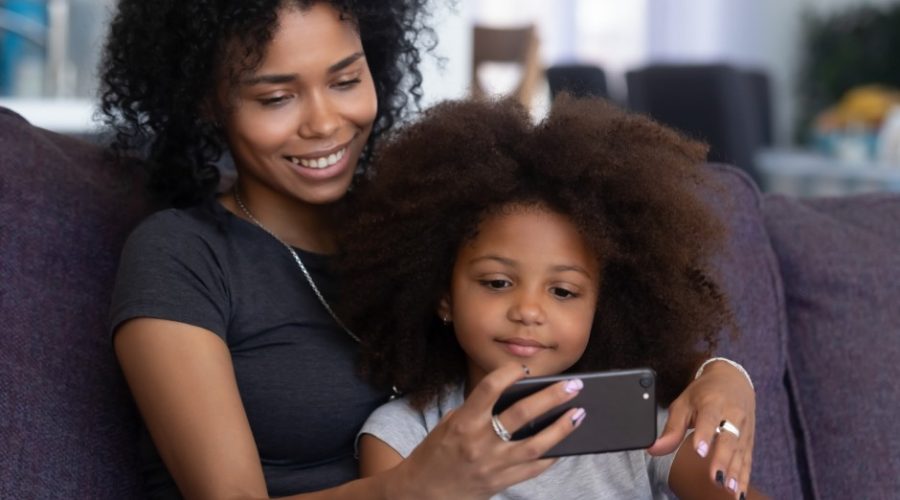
(221, 315)
(574, 245)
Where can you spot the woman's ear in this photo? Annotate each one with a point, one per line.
(443, 310)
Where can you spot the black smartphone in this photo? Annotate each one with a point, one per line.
(620, 405)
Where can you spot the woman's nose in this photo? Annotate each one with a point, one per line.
(321, 118)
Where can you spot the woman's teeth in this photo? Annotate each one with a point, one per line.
(323, 162)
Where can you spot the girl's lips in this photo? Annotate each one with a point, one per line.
(523, 348)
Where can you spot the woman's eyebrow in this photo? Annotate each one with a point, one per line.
(347, 61)
(275, 79)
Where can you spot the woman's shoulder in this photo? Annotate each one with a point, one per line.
(182, 226)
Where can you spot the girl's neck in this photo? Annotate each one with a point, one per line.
(295, 222)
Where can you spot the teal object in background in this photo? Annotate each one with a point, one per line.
(21, 59)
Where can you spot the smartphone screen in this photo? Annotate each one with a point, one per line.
(620, 405)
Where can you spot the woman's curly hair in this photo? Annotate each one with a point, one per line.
(629, 185)
(163, 59)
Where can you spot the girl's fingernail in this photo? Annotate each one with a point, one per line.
(578, 416)
(574, 385)
(703, 448)
(732, 484)
(526, 370)
(720, 477)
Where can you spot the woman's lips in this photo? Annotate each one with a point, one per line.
(521, 347)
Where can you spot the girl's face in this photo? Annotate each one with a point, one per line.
(525, 290)
(302, 118)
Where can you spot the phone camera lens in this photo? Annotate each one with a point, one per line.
(646, 382)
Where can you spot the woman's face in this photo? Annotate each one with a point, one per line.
(524, 290)
(302, 117)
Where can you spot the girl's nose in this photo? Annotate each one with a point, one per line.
(527, 309)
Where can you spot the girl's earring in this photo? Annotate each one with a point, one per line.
(446, 320)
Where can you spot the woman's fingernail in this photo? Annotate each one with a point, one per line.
(574, 385)
(720, 477)
(578, 416)
(526, 370)
(732, 484)
(703, 448)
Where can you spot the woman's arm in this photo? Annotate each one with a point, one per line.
(183, 381)
(721, 393)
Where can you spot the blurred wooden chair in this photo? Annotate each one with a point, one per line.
(518, 46)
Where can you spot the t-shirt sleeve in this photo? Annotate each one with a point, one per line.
(398, 424)
(658, 467)
(170, 270)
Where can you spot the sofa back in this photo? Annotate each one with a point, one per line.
(68, 427)
(840, 263)
(751, 279)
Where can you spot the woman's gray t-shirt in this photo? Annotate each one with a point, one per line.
(295, 367)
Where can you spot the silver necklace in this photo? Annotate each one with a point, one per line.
(312, 284)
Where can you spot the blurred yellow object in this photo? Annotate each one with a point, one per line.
(864, 106)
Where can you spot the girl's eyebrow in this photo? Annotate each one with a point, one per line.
(511, 263)
(275, 79)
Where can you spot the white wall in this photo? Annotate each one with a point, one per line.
(446, 71)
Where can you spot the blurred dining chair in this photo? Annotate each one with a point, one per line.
(580, 80)
(762, 95)
(715, 103)
(513, 46)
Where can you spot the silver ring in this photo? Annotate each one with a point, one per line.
(728, 427)
(501, 431)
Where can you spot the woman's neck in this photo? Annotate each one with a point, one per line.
(295, 222)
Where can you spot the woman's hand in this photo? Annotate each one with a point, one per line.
(721, 393)
(464, 458)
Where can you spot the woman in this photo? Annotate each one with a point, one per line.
(221, 313)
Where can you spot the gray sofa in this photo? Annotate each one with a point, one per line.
(815, 285)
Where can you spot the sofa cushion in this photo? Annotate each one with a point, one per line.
(840, 260)
(749, 272)
(67, 424)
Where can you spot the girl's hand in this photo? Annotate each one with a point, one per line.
(721, 393)
(464, 458)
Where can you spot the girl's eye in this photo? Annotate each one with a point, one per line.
(496, 284)
(562, 293)
(347, 84)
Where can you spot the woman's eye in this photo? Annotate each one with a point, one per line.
(274, 100)
(346, 84)
(562, 293)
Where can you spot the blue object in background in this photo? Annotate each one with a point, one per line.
(21, 59)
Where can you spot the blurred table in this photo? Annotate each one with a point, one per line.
(801, 172)
(66, 116)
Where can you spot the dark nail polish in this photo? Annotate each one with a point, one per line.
(743, 496)
(720, 477)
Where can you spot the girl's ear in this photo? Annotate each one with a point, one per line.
(443, 310)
